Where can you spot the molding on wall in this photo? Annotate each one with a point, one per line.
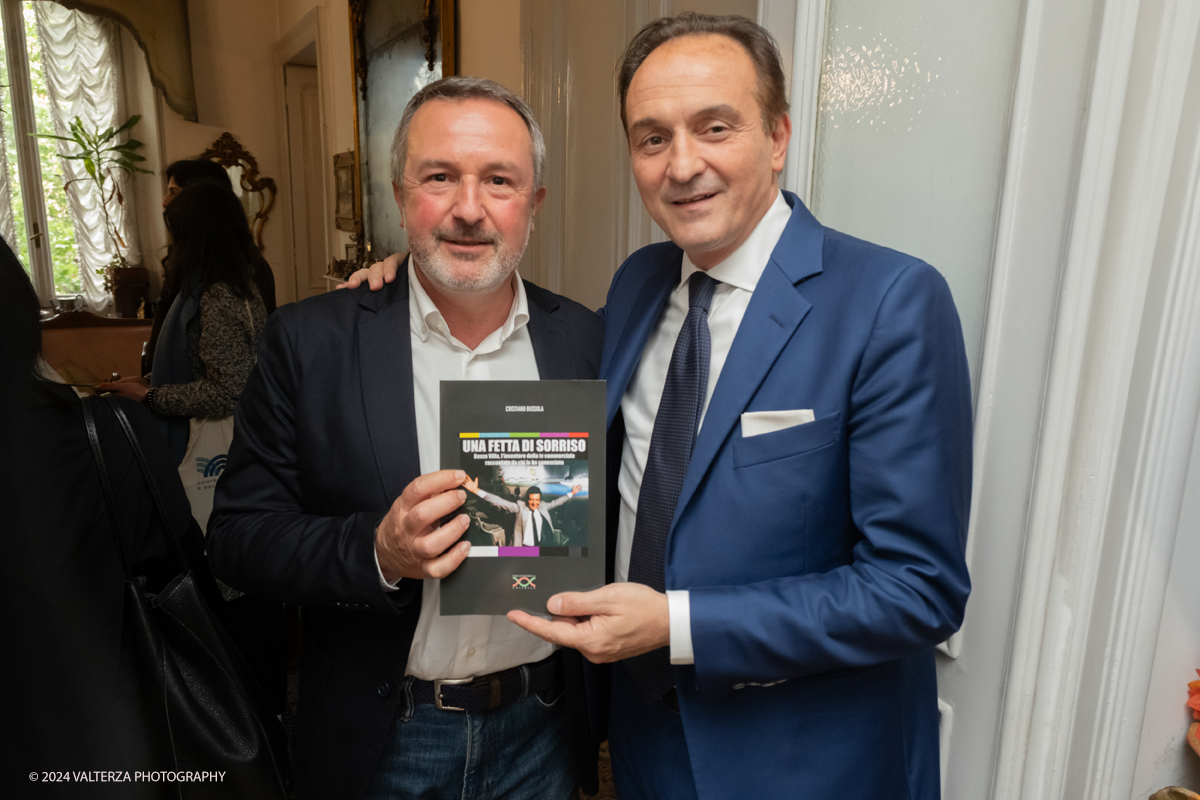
(1113, 233)
(1027, 746)
(807, 56)
(1161, 415)
(799, 29)
(640, 229)
(546, 85)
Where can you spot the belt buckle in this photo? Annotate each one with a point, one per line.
(438, 683)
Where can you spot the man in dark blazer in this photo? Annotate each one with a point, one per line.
(790, 435)
(331, 498)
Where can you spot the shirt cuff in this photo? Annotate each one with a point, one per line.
(391, 587)
(679, 608)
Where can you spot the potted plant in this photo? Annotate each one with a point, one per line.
(103, 154)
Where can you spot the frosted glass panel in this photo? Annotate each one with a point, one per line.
(911, 133)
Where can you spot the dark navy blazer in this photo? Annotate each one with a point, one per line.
(325, 439)
(826, 559)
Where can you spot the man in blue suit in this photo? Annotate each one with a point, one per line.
(790, 423)
(792, 411)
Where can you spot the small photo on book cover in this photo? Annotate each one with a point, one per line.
(533, 453)
(527, 492)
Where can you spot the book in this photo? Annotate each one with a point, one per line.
(534, 456)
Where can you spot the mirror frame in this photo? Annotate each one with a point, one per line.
(228, 152)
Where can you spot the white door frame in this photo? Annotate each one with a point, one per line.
(308, 29)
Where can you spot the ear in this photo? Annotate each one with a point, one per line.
(780, 134)
(398, 193)
(539, 197)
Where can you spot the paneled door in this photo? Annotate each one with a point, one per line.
(304, 160)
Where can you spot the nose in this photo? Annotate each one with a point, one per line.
(685, 161)
(469, 203)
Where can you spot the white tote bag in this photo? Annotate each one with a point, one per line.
(208, 449)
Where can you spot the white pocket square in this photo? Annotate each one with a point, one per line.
(756, 423)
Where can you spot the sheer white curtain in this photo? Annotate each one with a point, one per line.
(82, 62)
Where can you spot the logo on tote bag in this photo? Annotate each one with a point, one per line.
(524, 581)
(211, 467)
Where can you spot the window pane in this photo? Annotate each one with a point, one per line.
(19, 242)
(58, 215)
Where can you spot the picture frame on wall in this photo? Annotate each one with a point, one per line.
(347, 210)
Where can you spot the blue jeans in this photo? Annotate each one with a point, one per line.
(516, 751)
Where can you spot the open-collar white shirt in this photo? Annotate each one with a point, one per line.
(463, 646)
(738, 274)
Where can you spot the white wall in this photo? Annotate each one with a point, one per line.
(489, 44)
(235, 92)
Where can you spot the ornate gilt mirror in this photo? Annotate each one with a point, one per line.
(256, 192)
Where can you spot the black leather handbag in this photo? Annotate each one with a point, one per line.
(204, 711)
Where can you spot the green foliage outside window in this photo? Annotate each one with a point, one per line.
(61, 234)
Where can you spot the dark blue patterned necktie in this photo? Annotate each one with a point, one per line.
(675, 428)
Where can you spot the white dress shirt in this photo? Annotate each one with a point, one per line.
(738, 274)
(462, 646)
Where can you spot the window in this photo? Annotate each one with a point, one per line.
(57, 65)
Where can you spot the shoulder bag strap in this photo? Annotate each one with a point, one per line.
(119, 413)
(110, 501)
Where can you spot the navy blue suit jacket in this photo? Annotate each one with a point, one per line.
(824, 561)
(325, 440)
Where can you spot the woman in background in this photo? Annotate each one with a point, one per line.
(206, 348)
(180, 175)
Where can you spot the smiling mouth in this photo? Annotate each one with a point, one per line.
(693, 199)
(466, 242)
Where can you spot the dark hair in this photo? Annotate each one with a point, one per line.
(533, 490)
(189, 170)
(754, 39)
(20, 327)
(209, 234)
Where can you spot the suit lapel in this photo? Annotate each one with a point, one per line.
(551, 338)
(776, 309)
(385, 368)
(639, 324)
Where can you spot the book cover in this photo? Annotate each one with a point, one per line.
(533, 452)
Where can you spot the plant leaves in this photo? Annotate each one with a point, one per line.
(129, 123)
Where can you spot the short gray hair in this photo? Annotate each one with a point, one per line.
(466, 88)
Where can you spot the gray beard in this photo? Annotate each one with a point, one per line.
(493, 268)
